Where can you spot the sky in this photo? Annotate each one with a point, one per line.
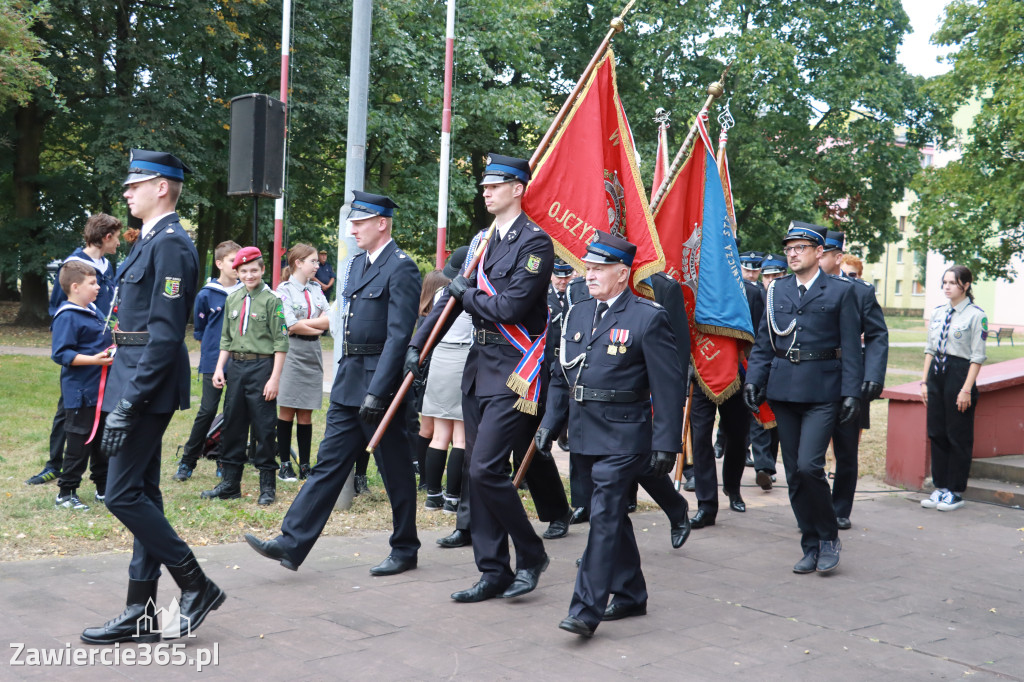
(916, 53)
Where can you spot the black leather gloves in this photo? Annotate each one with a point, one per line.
(662, 462)
(373, 408)
(118, 423)
(458, 287)
(870, 390)
(753, 397)
(543, 439)
(849, 410)
(412, 363)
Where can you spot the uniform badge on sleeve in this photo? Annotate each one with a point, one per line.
(172, 287)
(533, 264)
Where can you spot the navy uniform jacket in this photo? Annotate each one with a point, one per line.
(825, 318)
(649, 366)
(105, 279)
(382, 309)
(557, 307)
(207, 320)
(156, 288)
(756, 296)
(77, 330)
(876, 333)
(519, 266)
(669, 295)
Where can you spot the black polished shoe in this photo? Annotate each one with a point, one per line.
(199, 596)
(558, 528)
(689, 485)
(631, 507)
(526, 579)
(620, 610)
(579, 515)
(764, 479)
(576, 626)
(844, 523)
(457, 538)
(736, 503)
(137, 623)
(681, 531)
(272, 550)
(749, 461)
(808, 564)
(393, 566)
(828, 555)
(482, 591)
(702, 518)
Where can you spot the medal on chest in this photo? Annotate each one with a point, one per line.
(617, 341)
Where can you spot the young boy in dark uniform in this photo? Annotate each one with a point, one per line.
(80, 342)
(207, 320)
(254, 337)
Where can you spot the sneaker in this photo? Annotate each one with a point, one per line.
(286, 473)
(44, 476)
(101, 497)
(303, 472)
(71, 501)
(451, 505)
(184, 472)
(950, 501)
(434, 502)
(933, 501)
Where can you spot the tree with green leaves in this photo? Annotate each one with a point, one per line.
(972, 211)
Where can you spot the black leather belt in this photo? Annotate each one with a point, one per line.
(246, 357)
(798, 355)
(303, 337)
(486, 338)
(362, 348)
(131, 338)
(603, 395)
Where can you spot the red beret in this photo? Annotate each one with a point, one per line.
(246, 255)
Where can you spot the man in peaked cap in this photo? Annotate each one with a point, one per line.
(875, 333)
(619, 357)
(772, 266)
(148, 381)
(750, 265)
(380, 295)
(325, 275)
(502, 386)
(807, 362)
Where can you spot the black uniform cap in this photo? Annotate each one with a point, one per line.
(146, 165)
(366, 205)
(506, 169)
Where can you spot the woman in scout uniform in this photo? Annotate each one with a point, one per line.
(953, 357)
(302, 381)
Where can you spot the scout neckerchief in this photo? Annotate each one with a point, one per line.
(525, 380)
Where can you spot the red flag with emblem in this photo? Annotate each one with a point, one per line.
(661, 162)
(588, 179)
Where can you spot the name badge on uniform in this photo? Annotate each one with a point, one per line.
(617, 339)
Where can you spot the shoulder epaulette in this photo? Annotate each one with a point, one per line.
(662, 273)
(653, 304)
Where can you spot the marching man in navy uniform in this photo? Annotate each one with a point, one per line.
(148, 381)
(846, 437)
(381, 293)
(502, 384)
(620, 357)
(807, 362)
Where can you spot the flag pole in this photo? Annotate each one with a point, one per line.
(617, 25)
(715, 90)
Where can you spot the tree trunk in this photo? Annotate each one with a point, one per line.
(8, 286)
(29, 123)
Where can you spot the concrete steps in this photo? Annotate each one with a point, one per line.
(999, 480)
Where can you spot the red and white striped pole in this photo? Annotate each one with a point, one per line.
(286, 37)
(446, 137)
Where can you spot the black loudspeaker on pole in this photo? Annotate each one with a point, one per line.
(257, 150)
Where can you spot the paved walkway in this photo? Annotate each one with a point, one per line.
(919, 595)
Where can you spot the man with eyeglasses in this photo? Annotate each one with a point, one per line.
(807, 363)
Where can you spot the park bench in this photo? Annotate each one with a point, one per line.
(1004, 333)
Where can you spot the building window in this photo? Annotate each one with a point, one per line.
(899, 256)
(903, 223)
(899, 288)
(926, 160)
(878, 283)
(916, 289)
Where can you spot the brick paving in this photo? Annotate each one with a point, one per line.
(919, 595)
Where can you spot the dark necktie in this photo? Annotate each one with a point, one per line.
(940, 355)
(601, 307)
(803, 290)
(366, 264)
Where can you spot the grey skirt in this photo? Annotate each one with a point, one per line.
(443, 396)
(302, 380)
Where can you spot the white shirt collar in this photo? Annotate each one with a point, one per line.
(503, 229)
(373, 256)
(611, 301)
(807, 286)
(147, 226)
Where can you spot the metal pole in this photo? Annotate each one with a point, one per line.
(286, 37)
(446, 136)
(355, 157)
